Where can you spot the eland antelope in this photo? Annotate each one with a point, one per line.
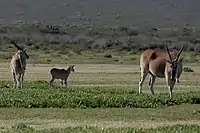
(61, 74)
(18, 65)
(162, 65)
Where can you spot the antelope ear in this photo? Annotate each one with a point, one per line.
(73, 65)
(181, 59)
(168, 61)
(25, 49)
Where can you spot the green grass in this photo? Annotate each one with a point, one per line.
(184, 112)
(99, 96)
(95, 86)
(177, 128)
(179, 117)
(38, 95)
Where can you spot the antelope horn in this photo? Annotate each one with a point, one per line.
(18, 47)
(168, 52)
(179, 53)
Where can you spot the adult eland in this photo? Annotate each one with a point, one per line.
(18, 65)
(161, 64)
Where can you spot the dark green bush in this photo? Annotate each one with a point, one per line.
(188, 69)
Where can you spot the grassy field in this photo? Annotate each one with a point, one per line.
(99, 120)
(104, 45)
(100, 98)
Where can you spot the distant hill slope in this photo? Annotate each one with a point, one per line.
(157, 13)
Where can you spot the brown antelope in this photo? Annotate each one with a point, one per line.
(162, 65)
(18, 65)
(61, 74)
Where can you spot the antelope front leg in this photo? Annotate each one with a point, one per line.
(61, 82)
(18, 80)
(22, 82)
(14, 80)
(65, 83)
(170, 91)
(170, 85)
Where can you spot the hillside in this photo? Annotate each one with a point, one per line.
(110, 28)
(128, 12)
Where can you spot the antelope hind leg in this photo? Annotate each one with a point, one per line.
(142, 78)
(51, 82)
(152, 80)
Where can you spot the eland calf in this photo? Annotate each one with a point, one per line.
(161, 64)
(18, 65)
(61, 74)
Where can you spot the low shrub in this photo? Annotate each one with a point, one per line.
(108, 56)
(188, 69)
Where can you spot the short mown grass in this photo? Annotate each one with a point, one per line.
(183, 112)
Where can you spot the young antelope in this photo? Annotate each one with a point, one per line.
(61, 74)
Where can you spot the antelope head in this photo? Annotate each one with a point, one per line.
(72, 68)
(21, 51)
(176, 65)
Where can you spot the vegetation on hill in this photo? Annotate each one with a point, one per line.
(98, 38)
(79, 43)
